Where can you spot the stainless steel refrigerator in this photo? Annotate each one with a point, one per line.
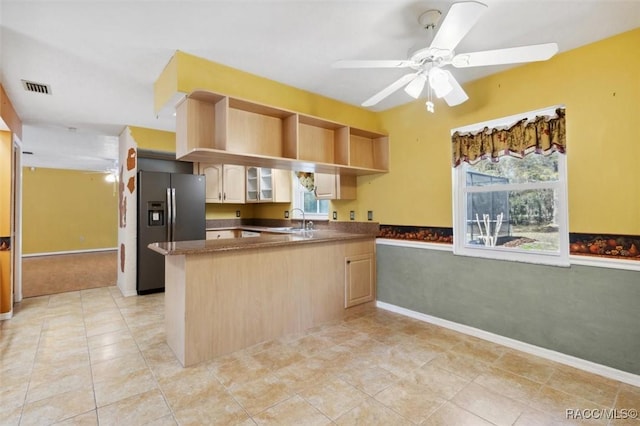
(171, 207)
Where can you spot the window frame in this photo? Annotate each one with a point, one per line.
(461, 190)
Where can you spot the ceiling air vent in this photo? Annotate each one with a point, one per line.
(32, 86)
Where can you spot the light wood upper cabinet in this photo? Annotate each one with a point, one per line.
(265, 185)
(224, 183)
(214, 128)
(334, 187)
(213, 182)
(233, 184)
(281, 185)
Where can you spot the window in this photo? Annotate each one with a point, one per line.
(512, 209)
(306, 200)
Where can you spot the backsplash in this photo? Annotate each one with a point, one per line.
(352, 227)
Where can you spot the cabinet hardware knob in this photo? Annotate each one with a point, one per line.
(348, 262)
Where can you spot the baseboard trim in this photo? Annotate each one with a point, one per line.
(127, 292)
(61, 253)
(569, 360)
(6, 315)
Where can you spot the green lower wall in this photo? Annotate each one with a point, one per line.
(587, 312)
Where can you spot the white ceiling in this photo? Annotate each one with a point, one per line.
(101, 58)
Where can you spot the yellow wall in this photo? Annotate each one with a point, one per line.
(600, 86)
(155, 140)
(195, 73)
(228, 211)
(66, 210)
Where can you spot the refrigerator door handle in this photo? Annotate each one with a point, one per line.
(169, 214)
(175, 213)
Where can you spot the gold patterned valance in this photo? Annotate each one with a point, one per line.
(306, 180)
(543, 135)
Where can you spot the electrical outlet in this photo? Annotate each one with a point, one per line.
(352, 215)
(335, 215)
(286, 214)
(370, 215)
(237, 213)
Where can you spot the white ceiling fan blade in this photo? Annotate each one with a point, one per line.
(389, 89)
(457, 95)
(512, 55)
(372, 64)
(459, 20)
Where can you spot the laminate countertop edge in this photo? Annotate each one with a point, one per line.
(265, 240)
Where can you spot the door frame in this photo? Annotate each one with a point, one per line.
(16, 220)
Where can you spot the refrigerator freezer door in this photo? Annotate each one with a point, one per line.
(152, 203)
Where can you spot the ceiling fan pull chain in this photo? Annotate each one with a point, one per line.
(429, 104)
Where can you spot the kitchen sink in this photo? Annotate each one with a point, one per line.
(285, 230)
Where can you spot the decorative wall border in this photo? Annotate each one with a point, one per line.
(428, 234)
(610, 246)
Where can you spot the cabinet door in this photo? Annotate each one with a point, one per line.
(253, 182)
(325, 186)
(233, 184)
(266, 185)
(213, 184)
(359, 279)
(335, 187)
(217, 235)
(281, 186)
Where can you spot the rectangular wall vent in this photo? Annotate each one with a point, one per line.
(32, 86)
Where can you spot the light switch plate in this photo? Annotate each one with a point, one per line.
(237, 213)
(335, 215)
(286, 214)
(352, 215)
(370, 215)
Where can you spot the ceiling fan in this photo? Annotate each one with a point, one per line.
(427, 62)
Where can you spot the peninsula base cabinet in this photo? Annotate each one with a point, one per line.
(220, 302)
(360, 279)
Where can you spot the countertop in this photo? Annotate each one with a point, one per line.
(266, 239)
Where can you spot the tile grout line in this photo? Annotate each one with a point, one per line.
(35, 355)
(93, 386)
(144, 358)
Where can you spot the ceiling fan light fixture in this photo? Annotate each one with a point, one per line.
(414, 88)
(439, 82)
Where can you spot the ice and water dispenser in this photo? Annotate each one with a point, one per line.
(155, 213)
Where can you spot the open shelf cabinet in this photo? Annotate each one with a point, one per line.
(216, 128)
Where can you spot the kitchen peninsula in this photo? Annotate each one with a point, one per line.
(226, 294)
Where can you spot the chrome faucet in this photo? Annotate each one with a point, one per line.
(304, 225)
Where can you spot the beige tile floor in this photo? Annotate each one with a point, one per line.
(93, 357)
